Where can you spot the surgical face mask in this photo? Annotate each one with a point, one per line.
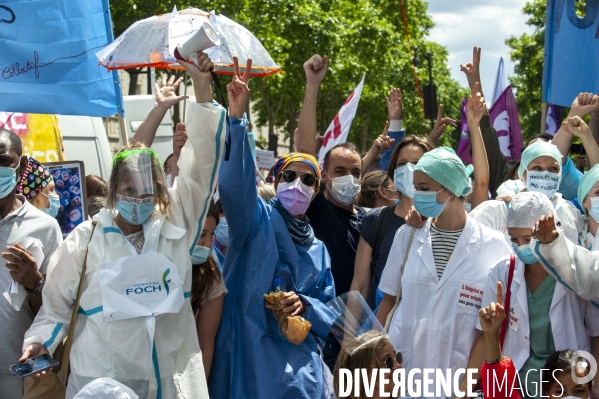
(222, 232)
(594, 211)
(467, 207)
(52, 210)
(426, 204)
(200, 255)
(8, 180)
(295, 196)
(544, 182)
(345, 189)
(134, 210)
(168, 180)
(403, 179)
(524, 253)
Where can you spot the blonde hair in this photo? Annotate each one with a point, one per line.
(366, 357)
(162, 198)
(267, 191)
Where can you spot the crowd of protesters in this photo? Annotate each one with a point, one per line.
(188, 280)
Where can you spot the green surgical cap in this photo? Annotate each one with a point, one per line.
(539, 148)
(588, 181)
(443, 166)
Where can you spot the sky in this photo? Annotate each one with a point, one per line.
(462, 24)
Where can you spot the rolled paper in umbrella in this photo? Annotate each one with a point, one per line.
(295, 328)
(203, 39)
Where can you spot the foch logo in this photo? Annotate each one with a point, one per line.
(151, 286)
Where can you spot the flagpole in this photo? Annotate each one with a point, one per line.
(544, 117)
(123, 130)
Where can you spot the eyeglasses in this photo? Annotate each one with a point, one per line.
(388, 362)
(289, 176)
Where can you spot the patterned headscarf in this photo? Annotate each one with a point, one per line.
(287, 159)
(33, 180)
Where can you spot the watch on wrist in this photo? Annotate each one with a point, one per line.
(38, 287)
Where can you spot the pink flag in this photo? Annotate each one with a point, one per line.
(339, 128)
(464, 137)
(504, 118)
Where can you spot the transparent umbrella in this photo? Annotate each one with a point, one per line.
(151, 43)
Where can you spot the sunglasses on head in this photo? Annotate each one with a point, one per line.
(289, 176)
(388, 362)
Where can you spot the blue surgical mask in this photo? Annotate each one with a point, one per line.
(8, 180)
(426, 204)
(403, 179)
(200, 255)
(169, 180)
(134, 210)
(594, 211)
(222, 232)
(397, 201)
(52, 210)
(524, 253)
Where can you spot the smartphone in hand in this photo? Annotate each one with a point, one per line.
(34, 365)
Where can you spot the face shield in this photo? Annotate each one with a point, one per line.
(132, 173)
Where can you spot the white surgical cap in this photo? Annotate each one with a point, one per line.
(105, 388)
(528, 207)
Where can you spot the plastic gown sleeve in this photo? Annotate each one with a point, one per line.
(386, 157)
(198, 165)
(317, 313)
(571, 265)
(237, 185)
(571, 177)
(51, 324)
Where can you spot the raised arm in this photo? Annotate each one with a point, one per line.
(380, 145)
(582, 105)
(396, 130)
(166, 97)
(472, 71)
(200, 156)
(475, 109)
(316, 70)
(576, 127)
(440, 126)
(237, 178)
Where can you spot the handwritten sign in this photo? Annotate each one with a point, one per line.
(542, 181)
(471, 295)
(52, 69)
(515, 314)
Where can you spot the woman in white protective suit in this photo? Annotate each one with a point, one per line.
(134, 322)
(441, 269)
(540, 171)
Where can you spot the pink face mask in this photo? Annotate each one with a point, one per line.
(295, 197)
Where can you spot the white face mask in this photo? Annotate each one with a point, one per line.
(403, 179)
(467, 207)
(544, 182)
(345, 189)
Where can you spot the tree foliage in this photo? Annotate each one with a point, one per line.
(359, 36)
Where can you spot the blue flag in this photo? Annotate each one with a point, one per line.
(47, 58)
(571, 51)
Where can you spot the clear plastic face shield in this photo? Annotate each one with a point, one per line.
(355, 326)
(132, 173)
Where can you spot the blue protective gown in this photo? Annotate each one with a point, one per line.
(251, 359)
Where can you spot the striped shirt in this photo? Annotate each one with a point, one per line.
(443, 244)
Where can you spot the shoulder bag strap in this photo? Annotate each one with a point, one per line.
(64, 367)
(381, 224)
(508, 297)
(399, 294)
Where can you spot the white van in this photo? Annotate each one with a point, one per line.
(84, 139)
(137, 109)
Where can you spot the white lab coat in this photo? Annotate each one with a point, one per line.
(573, 320)
(576, 267)
(120, 349)
(429, 327)
(493, 214)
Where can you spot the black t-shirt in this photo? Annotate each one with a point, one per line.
(338, 229)
(365, 228)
